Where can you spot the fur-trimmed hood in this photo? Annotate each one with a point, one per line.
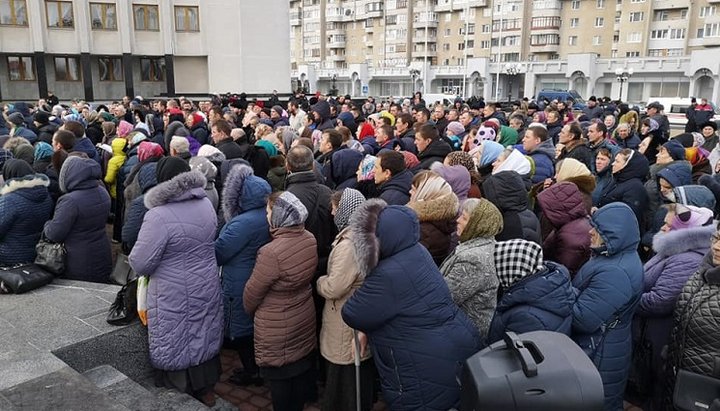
(29, 181)
(680, 241)
(379, 231)
(243, 191)
(444, 207)
(183, 187)
(586, 184)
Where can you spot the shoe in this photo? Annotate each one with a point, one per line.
(243, 379)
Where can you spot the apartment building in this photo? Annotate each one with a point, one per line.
(507, 48)
(104, 49)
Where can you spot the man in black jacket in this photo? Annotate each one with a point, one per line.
(221, 130)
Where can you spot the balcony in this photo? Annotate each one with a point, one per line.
(369, 29)
(374, 9)
(334, 15)
(335, 57)
(426, 24)
(335, 43)
(295, 19)
(544, 48)
(674, 4)
(424, 53)
(462, 4)
(420, 38)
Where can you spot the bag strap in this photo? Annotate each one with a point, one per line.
(606, 327)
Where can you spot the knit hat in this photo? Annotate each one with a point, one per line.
(367, 168)
(350, 200)
(197, 118)
(675, 149)
(685, 139)
(490, 152)
(124, 128)
(456, 128)
(493, 123)
(687, 216)
(180, 143)
(169, 167)
(569, 168)
(268, 147)
(516, 259)
(411, 159)
(278, 109)
(485, 221)
(16, 119)
(148, 149)
(41, 117)
(43, 150)
(24, 151)
(14, 168)
(206, 150)
(287, 211)
(485, 134)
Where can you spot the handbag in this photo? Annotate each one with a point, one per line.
(22, 278)
(124, 310)
(122, 273)
(50, 256)
(695, 392)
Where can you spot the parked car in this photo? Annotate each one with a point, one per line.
(562, 95)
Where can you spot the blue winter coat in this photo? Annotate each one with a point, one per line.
(396, 191)
(237, 247)
(84, 145)
(79, 221)
(607, 289)
(541, 301)
(26, 133)
(544, 158)
(417, 334)
(602, 180)
(341, 171)
(25, 206)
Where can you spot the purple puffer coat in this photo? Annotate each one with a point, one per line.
(176, 248)
(569, 243)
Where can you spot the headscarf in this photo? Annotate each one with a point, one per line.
(14, 168)
(206, 150)
(570, 168)
(461, 158)
(485, 221)
(169, 167)
(350, 201)
(411, 159)
(430, 186)
(687, 216)
(287, 211)
(516, 259)
(108, 128)
(515, 161)
(148, 149)
(124, 128)
(43, 151)
(490, 152)
(367, 168)
(268, 146)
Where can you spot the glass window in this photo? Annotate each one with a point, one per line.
(187, 18)
(59, 14)
(103, 16)
(13, 13)
(152, 69)
(599, 21)
(146, 17)
(67, 69)
(110, 69)
(21, 68)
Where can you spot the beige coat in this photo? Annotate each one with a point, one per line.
(342, 279)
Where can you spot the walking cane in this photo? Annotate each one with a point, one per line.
(357, 370)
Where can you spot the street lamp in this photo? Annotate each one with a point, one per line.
(512, 70)
(414, 75)
(333, 89)
(622, 75)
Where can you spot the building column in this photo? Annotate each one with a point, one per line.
(41, 73)
(170, 75)
(87, 76)
(128, 74)
(715, 90)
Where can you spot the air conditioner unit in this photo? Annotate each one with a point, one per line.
(349, 12)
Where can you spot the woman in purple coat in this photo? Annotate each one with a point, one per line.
(679, 246)
(176, 249)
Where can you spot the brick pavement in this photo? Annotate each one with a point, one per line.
(252, 398)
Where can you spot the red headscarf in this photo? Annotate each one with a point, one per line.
(148, 149)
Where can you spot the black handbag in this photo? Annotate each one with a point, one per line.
(695, 392)
(122, 273)
(124, 310)
(50, 256)
(22, 278)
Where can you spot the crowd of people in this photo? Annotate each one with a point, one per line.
(404, 233)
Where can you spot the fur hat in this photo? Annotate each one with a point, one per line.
(350, 200)
(709, 124)
(287, 211)
(516, 259)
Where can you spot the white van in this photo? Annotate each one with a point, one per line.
(675, 109)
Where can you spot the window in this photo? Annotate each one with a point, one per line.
(660, 15)
(67, 69)
(574, 22)
(572, 41)
(187, 18)
(484, 44)
(596, 40)
(446, 47)
(711, 30)
(110, 69)
(153, 69)
(146, 17)
(707, 11)
(103, 16)
(486, 28)
(613, 54)
(659, 34)
(637, 16)
(683, 14)
(677, 34)
(13, 13)
(632, 54)
(634, 37)
(575, 5)
(600, 4)
(637, 1)
(544, 39)
(21, 68)
(448, 32)
(545, 22)
(599, 21)
(59, 14)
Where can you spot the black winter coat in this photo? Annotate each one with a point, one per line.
(506, 190)
(436, 151)
(627, 187)
(396, 191)
(316, 198)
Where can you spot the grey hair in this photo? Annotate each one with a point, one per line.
(470, 205)
(180, 144)
(300, 158)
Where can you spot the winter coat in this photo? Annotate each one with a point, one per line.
(542, 301)
(632, 142)
(94, 132)
(417, 334)
(438, 222)
(231, 149)
(175, 248)
(580, 152)
(507, 191)
(470, 275)
(114, 165)
(602, 180)
(396, 191)
(436, 151)
(544, 158)
(279, 296)
(237, 246)
(79, 221)
(607, 290)
(679, 169)
(627, 187)
(554, 133)
(694, 343)
(136, 210)
(25, 206)
(84, 145)
(569, 242)
(341, 171)
(199, 131)
(316, 198)
(343, 278)
(25, 133)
